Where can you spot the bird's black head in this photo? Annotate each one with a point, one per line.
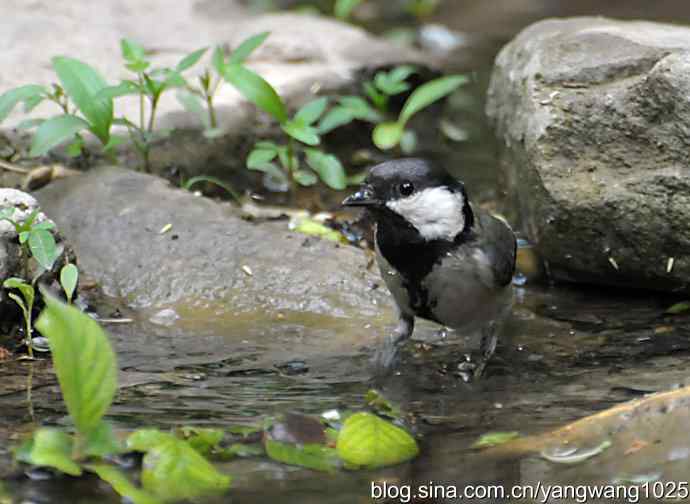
(418, 198)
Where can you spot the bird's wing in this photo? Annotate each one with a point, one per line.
(498, 242)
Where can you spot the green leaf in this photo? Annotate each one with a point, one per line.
(288, 162)
(428, 93)
(328, 167)
(369, 441)
(121, 484)
(172, 470)
(255, 89)
(218, 60)
(191, 59)
(49, 448)
(387, 135)
(7, 213)
(203, 440)
(360, 109)
(46, 224)
(389, 86)
(22, 305)
(678, 308)
(260, 156)
(302, 132)
(334, 118)
(213, 180)
(247, 47)
(379, 99)
(84, 362)
(102, 442)
(27, 124)
(343, 8)
(75, 147)
(132, 51)
(27, 291)
(11, 98)
(82, 84)
(311, 111)
(312, 456)
(137, 66)
(401, 73)
(69, 275)
(43, 248)
(494, 439)
(271, 169)
(305, 178)
(124, 88)
(55, 131)
(23, 236)
(115, 141)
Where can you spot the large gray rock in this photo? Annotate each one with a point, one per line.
(210, 257)
(594, 116)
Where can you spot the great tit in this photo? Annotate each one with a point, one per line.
(441, 259)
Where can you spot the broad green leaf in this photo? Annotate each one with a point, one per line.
(102, 442)
(360, 109)
(75, 147)
(255, 89)
(49, 448)
(121, 484)
(678, 308)
(46, 224)
(494, 438)
(191, 59)
(137, 66)
(11, 98)
(142, 440)
(305, 178)
(115, 141)
(401, 73)
(260, 156)
(428, 93)
(172, 470)
(312, 456)
(173, 79)
(124, 88)
(271, 169)
(84, 362)
(302, 132)
(28, 292)
(203, 440)
(27, 124)
(371, 442)
(213, 180)
(379, 99)
(388, 85)
(343, 8)
(43, 248)
(334, 118)
(132, 51)
(69, 275)
(330, 171)
(311, 111)
(55, 131)
(193, 104)
(387, 135)
(247, 47)
(289, 163)
(218, 60)
(82, 84)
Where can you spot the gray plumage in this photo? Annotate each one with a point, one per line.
(440, 258)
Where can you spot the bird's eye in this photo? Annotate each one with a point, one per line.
(406, 188)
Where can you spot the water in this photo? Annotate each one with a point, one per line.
(566, 353)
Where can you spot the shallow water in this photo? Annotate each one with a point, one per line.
(567, 352)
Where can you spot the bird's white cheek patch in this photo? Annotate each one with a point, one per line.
(436, 213)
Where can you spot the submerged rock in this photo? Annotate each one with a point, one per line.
(115, 218)
(593, 114)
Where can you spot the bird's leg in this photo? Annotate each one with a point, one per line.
(473, 368)
(387, 353)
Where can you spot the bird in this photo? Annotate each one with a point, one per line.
(442, 259)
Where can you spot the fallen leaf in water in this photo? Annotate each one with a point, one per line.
(635, 447)
(678, 308)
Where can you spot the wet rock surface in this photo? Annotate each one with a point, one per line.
(209, 255)
(593, 120)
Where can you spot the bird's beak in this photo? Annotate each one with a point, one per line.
(364, 197)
